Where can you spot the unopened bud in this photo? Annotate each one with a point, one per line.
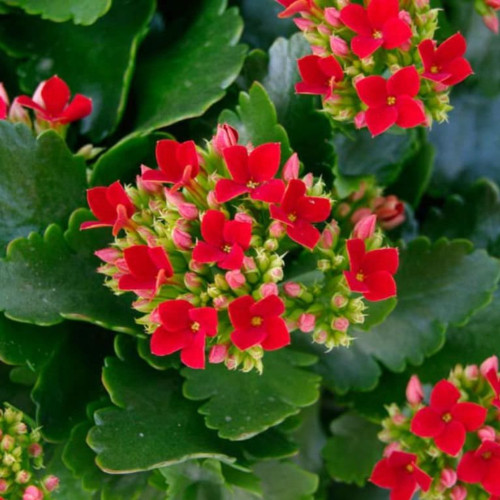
(22, 477)
(218, 353)
(291, 168)
(391, 448)
(249, 264)
(339, 301)
(21, 428)
(329, 235)
(292, 289)
(360, 120)
(491, 22)
(182, 239)
(339, 46)
(221, 302)
(320, 336)
(332, 16)
(365, 227)
(109, 255)
(32, 493)
(243, 217)
(340, 324)
(488, 365)
(192, 281)
(308, 180)
(303, 24)
(471, 372)
(212, 200)
(268, 289)
(225, 137)
(35, 450)
(487, 433)
(4, 485)
(414, 391)
(277, 229)
(448, 478)
(51, 483)
(458, 493)
(8, 442)
(235, 279)
(306, 322)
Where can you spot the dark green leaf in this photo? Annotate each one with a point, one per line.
(42, 182)
(184, 79)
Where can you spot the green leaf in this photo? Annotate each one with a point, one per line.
(80, 12)
(353, 449)
(256, 121)
(242, 405)
(182, 80)
(97, 61)
(438, 285)
(51, 277)
(42, 182)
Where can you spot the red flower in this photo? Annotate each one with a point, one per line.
(489, 370)
(258, 323)
(399, 473)
(111, 206)
(371, 272)
(295, 7)
(225, 241)
(299, 211)
(149, 268)
(392, 101)
(447, 421)
(252, 173)
(51, 102)
(320, 75)
(178, 162)
(482, 466)
(445, 63)
(184, 328)
(376, 26)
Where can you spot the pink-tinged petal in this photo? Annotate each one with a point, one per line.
(381, 286)
(243, 338)
(313, 208)
(227, 189)
(410, 112)
(278, 213)
(55, 94)
(205, 253)
(356, 251)
(452, 439)
(382, 259)
(471, 468)
(270, 192)
(458, 69)
(264, 161)
(164, 342)
(426, 50)
(295, 190)
(79, 108)
(193, 354)
(354, 284)
(304, 233)
(452, 48)
(187, 156)
(364, 46)
(331, 67)
(471, 415)
(372, 90)
(212, 227)
(174, 314)
(268, 307)
(100, 206)
(93, 224)
(295, 7)
(238, 232)
(160, 259)
(395, 33)
(152, 175)
(166, 157)
(491, 478)
(378, 120)
(278, 335)
(311, 72)
(380, 11)
(139, 262)
(356, 18)
(405, 488)
(383, 474)
(27, 102)
(207, 318)
(131, 282)
(405, 82)
(239, 312)
(232, 260)
(313, 89)
(236, 158)
(427, 423)
(444, 396)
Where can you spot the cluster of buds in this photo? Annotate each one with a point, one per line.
(448, 446)
(487, 9)
(202, 243)
(51, 106)
(21, 456)
(354, 46)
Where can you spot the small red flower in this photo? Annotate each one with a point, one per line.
(376, 26)
(482, 466)
(225, 137)
(4, 103)
(184, 328)
(258, 323)
(445, 64)
(293, 7)
(111, 206)
(299, 212)
(51, 102)
(252, 173)
(371, 272)
(178, 162)
(447, 421)
(399, 473)
(320, 75)
(149, 268)
(392, 101)
(489, 370)
(225, 241)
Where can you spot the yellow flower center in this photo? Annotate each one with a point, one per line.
(410, 468)
(391, 100)
(292, 217)
(195, 326)
(256, 321)
(487, 455)
(447, 417)
(377, 35)
(227, 248)
(360, 276)
(434, 69)
(252, 184)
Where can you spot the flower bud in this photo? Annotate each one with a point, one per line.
(291, 168)
(491, 22)
(277, 229)
(51, 483)
(306, 322)
(221, 302)
(17, 114)
(471, 372)
(487, 433)
(292, 289)
(414, 391)
(340, 324)
(8, 442)
(489, 364)
(448, 478)
(332, 17)
(225, 137)
(148, 186)
(339, 46)
(109, 255)
(212, 200)
(365, 227)
(22, 477)
(343, 209)
(218, 353)
(243, 217)
(21, 428)
(192, 281)
(32, 493)
(339, 301)
(303, 24)
(494, 4)
(320, 337)
(360, 120)
(390, 211)
(35, 450)
(182, 240)
(235, 279)
(329, 235)
(308, 180)
(458, 493)
(268, 289)
(4, 485)
(249, 264)
(390, 448)
(317, 50)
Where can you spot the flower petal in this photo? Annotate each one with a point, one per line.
(444, 396)
(232, 260)
(264, 161)
(236, 158)
(166, 157)
(364, 46)
(354, 284)
(331, 68)
(380, 119)
(304, 233)
(212, 227)
(459, 69)
(79, 108)
(491, 479)
(164, 342)
(395, 33)
(410, 112)
(227, 189)
(452, 48)
(207, 318)
(295, 190)
(278, 335)
(471, 468)
(239, 311)
(452, 439)
(383, 474)
(193, 354)
(356, 252)
(100, 206)
(243, 338)
(380, 11)
(382, 259)
(174, 314)
(426, 50)
(270, 192)
(427, 423)
(139, 262)
(356, 18)
(187, 156)
(55, 94)
(406, 81)
(313, 208)
(238, 232)
(267, 307)
(471, 415)
(381, 286)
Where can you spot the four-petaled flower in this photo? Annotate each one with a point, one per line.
(299, 212)
(371, 273)
(447, 421)
(252, 173)
(258, 323)
(149, 268)
(111, 206)
(392, 101)
(184, 327)
(399, 473)
(320, 75)
(482, 466)
(51, 102)
(178, 162)
(295, 7)
(445, 64)
(225, 241)
(379, 25)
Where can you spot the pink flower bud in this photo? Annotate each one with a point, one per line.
(277, 229)
(192, 280)
(218, 353)
(221, 302)
(155, 316)
(414, 391)
(339, 301)
(339, 46)
(8, 442)
(491, 22)
(292, 289)
(494, 4)
(231, 363)
(448, 478)
(306, 322)
(332, 16)
(196, 266)
(328, 237)
(471, 372)
(212, 200)
(3, 94)
(404, 15)
(225, 137)
(182, 240)
(360, 120)
(18, 114)
(291, 168)
(340, 324)
(343, 209)
(235, 279)
(269, 289)
(32, 493)
(308, 180)
(276, 273)
(51, 483)
(243, 217)
(390, 211)
(303, 24)
(249, 264)
(317, 50)
(488, 365)
(421, 3)
(324, 30)
(487, 433)
(109, 255)
(188, 211)
(365, 227)
(458, 493)
(4, 486)
(22, 477)
(398, 419)
(35, 450)
(390, 448)
(150, 187)
(320, 337)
